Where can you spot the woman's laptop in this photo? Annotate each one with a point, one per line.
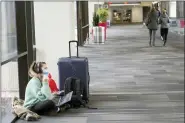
(65, 99)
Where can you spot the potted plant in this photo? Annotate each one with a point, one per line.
(103, 14)
(95, 19)
(97, 31)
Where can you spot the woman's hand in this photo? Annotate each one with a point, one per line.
(55, 93)
(45, 79)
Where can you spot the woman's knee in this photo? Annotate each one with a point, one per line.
(50, 104)
(47, 104)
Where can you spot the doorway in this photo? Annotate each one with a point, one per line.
(117, 17)
(127, 16)
(122, 16)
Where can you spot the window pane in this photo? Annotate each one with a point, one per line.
(8, 30)
(8, 48)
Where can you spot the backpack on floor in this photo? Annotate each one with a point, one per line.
(74, 84)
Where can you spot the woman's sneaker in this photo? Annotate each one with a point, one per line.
(162, 38)
(58, 109)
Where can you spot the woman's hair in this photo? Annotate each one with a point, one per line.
(153, 9)
(164, 11)
(151, 12)
(43, 63)
(35, 69)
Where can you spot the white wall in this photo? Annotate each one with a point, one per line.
(110, 14)
(146, 3)
(54, 27)
(172, 9)
(137, 14)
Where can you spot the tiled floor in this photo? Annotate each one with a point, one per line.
(130, 81)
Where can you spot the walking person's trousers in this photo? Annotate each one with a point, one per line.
(164, 34)
(152, 34)
(161, 32)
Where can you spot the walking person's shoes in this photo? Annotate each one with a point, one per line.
(162, 38)
(150, 44)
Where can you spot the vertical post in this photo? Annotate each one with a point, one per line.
(79, 22)
(21, 46)
(86, 19)
(33, 30)
(0, 59)
(82, 20)
(29, 31)
(24, 42)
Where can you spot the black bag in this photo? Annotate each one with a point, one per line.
(74, 84)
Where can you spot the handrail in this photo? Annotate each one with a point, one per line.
(13, 58)
(85, 26)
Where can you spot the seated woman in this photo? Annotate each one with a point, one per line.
(38, 94)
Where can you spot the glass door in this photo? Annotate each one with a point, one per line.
(127, 15)
(117, 17)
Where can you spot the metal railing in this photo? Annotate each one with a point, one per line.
(87, 25)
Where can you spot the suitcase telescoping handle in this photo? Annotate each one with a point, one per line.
(73, 41)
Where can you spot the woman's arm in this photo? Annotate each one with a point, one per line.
(41, 90)
(159, 21)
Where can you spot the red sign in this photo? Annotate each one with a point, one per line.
(182, 23)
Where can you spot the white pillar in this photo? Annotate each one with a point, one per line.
(173, 9)
(137, 14)
(54, 27)
(110, 14)
(91, 12)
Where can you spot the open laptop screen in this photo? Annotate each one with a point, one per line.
(65, 99)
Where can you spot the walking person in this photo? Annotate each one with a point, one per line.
(152, 24)
(161, 33)
(164, 21)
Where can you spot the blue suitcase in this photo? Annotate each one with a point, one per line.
(74, 67)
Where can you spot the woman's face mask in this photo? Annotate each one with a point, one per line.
(45, 71)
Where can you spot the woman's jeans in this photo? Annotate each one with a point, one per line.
(152, 34)
(44, 107)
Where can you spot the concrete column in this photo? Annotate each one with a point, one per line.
(137, 14)
(54, 27)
